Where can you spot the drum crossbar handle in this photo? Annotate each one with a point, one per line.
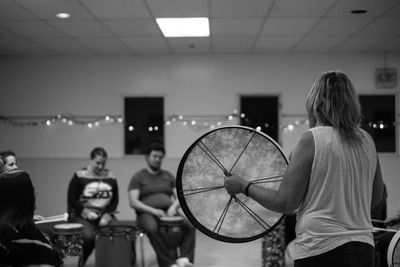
(223, 215)
(200, 190)
(208, 152)
(241, 153)
(384, 229)
(252, 213)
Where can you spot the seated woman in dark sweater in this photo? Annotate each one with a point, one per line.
(21, 242)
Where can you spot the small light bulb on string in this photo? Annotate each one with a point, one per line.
(242, 115)
(120, 120)
(235, 111)
(107, 118)
(184, 123)
(168, 123)
(155, 128)
(219, 123)
(131, 128)
(212, 126)
(70, 123)
(180, 117)
(48, 122)
(90, 125)
(230, 117)
(64, 120)
(258, 128)
(96, 123)
(150, 129)
(193, 122)
(290, 127)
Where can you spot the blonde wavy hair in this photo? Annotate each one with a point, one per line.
(332, 101)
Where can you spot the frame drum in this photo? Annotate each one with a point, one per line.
(393, 255)
(200, 182)
(115, 246)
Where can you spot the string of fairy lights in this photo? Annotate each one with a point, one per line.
(194, 122)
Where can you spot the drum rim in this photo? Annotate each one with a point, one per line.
(390, 252)
(188, 212)
(77, 226)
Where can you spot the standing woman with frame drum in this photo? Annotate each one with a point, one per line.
(332, 181)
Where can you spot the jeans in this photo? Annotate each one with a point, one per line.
(351, 254)
(149, 223)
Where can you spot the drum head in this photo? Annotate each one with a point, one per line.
(393, 255)
(171, 219)
(200, 183)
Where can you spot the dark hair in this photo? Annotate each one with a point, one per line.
(17, 202)
(98, 151)
(5, 154)
(155, 147)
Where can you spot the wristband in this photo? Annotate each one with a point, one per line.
(246, 190)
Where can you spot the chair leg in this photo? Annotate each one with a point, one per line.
(141, 237)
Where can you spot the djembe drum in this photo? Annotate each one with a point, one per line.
(200, 183)
(170, 229)
(68, 239)
(115, 246)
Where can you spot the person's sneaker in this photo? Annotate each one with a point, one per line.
(184, 262)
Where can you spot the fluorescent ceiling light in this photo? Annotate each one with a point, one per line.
(184, 27)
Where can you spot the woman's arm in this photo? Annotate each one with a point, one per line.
(294, 183)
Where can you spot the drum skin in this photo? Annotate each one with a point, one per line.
(200, 182)
(115, 246)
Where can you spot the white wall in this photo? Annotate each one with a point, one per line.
(190, 84)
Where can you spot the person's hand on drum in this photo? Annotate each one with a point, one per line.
(172, 211)
(159, 213)
(91, 215)
(235, 184)
(105, 219)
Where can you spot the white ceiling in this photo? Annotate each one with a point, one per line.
(30, 27)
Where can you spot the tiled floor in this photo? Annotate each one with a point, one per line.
(209, 253)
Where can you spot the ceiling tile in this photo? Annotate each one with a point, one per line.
(232, 43)
(31, 28)
(61, 45)
(235, 26)
(393, 12)
(300, 8)
(81, 27)
(148, 44)
(6, 33)
(117, 9)
(178, 8)
(23, 46)
(288, 25)
(391, 46)
(332, 25)
(276, 42)
(189, 45)
(138, 27)
(239, 8)
(11, 11)
(49, 9)
(374, 7)
(320, 42)
(104, 45)
(362, 43)
(383, 26)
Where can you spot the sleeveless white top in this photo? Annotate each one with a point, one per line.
(337, 206)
